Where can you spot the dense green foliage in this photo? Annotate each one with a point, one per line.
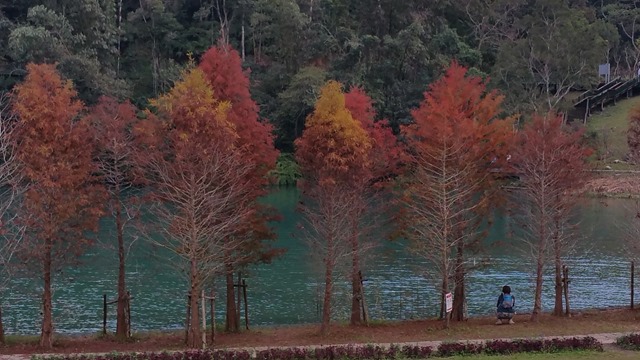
(533, 50)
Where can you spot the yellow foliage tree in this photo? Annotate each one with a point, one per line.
(334, 147)
(333, 153)
(200, 184)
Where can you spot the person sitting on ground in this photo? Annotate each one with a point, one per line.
(506, 305)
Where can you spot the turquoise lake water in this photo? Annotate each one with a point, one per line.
(288, 290)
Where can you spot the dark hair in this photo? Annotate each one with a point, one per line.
(506, 289)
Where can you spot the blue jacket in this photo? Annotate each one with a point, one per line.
(501, 300)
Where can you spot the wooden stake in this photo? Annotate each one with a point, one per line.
(246, 307)
(104, 314)
(188, 321)
(213, 317)
(633, 271)
(204, 321)
(238, 302)
(129, 314)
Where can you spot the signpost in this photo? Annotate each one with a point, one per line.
(448, 300)
(604, 70)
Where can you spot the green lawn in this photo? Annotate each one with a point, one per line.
(610, 127)
(609, 354)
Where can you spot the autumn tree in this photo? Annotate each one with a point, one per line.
(222, 67)
(10, 190)
(63, 201)
(200, 183)
(457, 137)
(113, 123)
(385, 156)
(552, 164)
(633, 134)
(333, 155)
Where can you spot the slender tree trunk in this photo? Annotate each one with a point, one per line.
(122, 330)
(445, 290)
(328, 284)
(557, 309)
(231, 317)
(46, 334)
(326, 305)
(459, 290)
(194, 337)
(356, 285)
(537, 302)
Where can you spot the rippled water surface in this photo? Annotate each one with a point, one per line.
(287, 291)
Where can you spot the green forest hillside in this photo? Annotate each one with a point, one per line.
(534, 51)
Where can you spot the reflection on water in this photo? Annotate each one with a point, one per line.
(288, 291)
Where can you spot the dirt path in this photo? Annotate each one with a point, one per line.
(607, 339)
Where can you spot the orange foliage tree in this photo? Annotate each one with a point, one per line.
(64, 197)
(456, 139)
(222, 67)
(333, 154)
(200, 183)
(113, 123)
(552, 164)
(385, 157)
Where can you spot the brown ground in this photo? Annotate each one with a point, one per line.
(616, 184)
(477, 328)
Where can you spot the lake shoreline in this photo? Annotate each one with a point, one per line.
(581, 323)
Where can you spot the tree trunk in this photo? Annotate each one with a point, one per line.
(194, 336)
(557, 309)
(537, 303)
(46, 334)
(231, 324)
(459, 290)
(122, 330)
(326, 305)
(356, 285)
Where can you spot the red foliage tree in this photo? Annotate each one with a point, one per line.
(552, 164)
(64, 197)
(113, 123)
(456, 139)
(222, 67)
(385, 157)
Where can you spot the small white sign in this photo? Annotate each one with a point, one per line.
(448, 300)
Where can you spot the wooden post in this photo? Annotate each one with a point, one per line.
(204, 321)
(246, 307)
(129, 314)
(565, 271)
(213, 317)
(633, 270)
(104, 314)
(238, 302)
(187, 322)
